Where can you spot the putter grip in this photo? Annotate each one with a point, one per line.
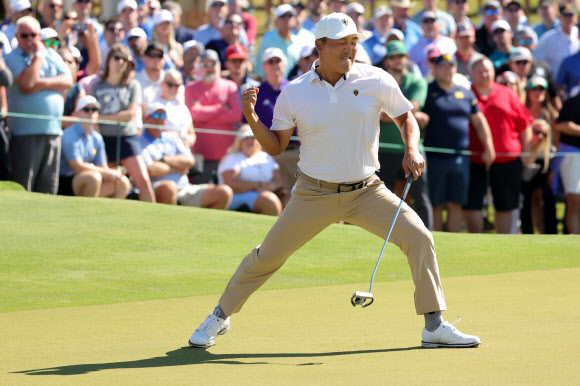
(407, 186)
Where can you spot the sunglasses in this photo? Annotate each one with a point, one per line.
(154, 56)
(286, 16)
(172, 85)
(429, 21)
(217, 4)
(69, 18)
(158, 115)
(524, 42)
(521, 62)
(237, 61)
(274, 61)
(51, 43)
(491, 12)
(84, 1)
(499, 31)
(114, 30)
(234, 23)
(208, 64)
(538, 88)
(512, 10)
(119, 58)
(89, 110)
(26, 36)
(141, 3)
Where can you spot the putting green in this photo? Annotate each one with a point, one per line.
(528, 323)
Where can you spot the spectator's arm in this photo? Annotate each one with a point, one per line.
(232, 110)
(180, 161)
(82, 93)
(59, 83)
(27, 79)
(525, 140)
(94, 51)
(123, 115)
(78, 166)
(484, 134)
(232, 179)
(6, 78)
(568, 127)
(205, 113)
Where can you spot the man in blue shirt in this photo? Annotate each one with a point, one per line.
(375, 46)
(40, 79)
(401, 15)
(568, 75)
(547, 12)
(451, 108)
(83, 166)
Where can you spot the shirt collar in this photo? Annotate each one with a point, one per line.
(313, 75)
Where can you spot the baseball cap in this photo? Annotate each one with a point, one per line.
(76, 54)
(513, 2)
(126, 4)
(356, 7)
(381, 11)
(446, 58)
(428, 15)
(137, 33)
(48, 33)
(402, 3)
(162, 16)
(536, 81)
(546, 3)
(397, 33)
(212, 2)
(154, 46)
(520, 53)
(210, 55)
(283, 9)
(568, 9)
(396, 47)
(245, 132)
(236, 51)
(307, 50)
(272, 52)
(153, 107)
(19, 5)
(500, 24)
(527, 31)
(493, 4)
(432, 51)
(465, 29)
(337, 26)
(193, 43)
(87, 100)
(296, 4)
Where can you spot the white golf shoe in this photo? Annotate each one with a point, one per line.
(448, 336)
(206, 333)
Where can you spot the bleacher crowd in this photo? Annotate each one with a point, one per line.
(141, 106)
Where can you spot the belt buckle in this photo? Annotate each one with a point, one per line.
(355, 186)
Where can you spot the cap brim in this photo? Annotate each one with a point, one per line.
(343, 34)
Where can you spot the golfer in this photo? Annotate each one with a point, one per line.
(335, 108)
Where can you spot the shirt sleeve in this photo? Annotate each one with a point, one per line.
(180, 146)
(69, 150)
(146, 154)
(283, 118)
(567, 113)
(229, 162)
(474, 102)
(418, 91)
(135, 93)
(394, 102)
(101, 156)
(522, 116)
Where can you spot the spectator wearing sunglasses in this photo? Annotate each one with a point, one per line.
(168, 163)
(40, 80)
(217, 12)
(515, 16)
(547, 12)
(18, 9)
(182, 33)
(51, 13)
(502, 37)
(114, 34)
(238, 69)
(465, 54)
(538, 100)
(230, 35)
(84, 171)
(432, 35)
(459, 10)
(446, 21)
(250, 22)
(84, 9)
(492, 12)
(120, 97)
(568, 76)
(144, 21)
(49, 38)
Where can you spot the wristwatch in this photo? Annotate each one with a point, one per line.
(162, 159)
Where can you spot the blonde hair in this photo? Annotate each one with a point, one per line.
(542, 148)
(173, 44)
(236, 145)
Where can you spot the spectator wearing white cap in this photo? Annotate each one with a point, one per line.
(144, 21)
(382, 24)
(316, 10)
(492, 11)
(217, 12)
(465, 54)
(18, 9)
(281, 37)
(502, 37)
(308, 54)
(555, 45)
(526, 37)
(548, 21)
(84, 9)
(431, 36)
(214, 104)
(182, 33)
(51, 13)
(137, 38)
(49, 38)
(163, 33)
(402, 17)
(127, 13)
(84, 171)
(192, 51)
(446, 20)
(356, 11)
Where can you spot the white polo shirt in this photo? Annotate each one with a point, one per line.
(339, 126)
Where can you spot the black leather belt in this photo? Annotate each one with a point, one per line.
(293, 146)
(338, 187)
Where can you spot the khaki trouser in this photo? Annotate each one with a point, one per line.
(311, 210)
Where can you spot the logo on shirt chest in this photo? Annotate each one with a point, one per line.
(459, 95)
(355, 92)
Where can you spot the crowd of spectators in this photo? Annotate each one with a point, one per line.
(141, 106)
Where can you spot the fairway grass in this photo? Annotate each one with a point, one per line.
(71, 251)
(527, 322)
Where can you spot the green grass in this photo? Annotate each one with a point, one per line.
(68, 251)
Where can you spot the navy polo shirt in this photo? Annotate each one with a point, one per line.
(449, 114)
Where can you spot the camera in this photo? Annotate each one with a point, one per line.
(78, 27)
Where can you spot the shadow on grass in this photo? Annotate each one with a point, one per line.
(189, 356)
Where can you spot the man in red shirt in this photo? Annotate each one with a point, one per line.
(509, 121)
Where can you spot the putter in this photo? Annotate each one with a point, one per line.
(365, 299)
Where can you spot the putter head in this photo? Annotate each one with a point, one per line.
(363, 299)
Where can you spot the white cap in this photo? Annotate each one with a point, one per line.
(137, 33)
(211, 2)
(397, 32)
(19, 5)
(501, 23)
(306, 50)
(355, 7)
(126, 4)
(87, 100)
(153, 107)
(337, 26)
(193, 43)
(162, 16)
(283, 9)
(272, 52)
(245, 132)
(48, 33)
(520, 53)
(382, 11)
(75, 53)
